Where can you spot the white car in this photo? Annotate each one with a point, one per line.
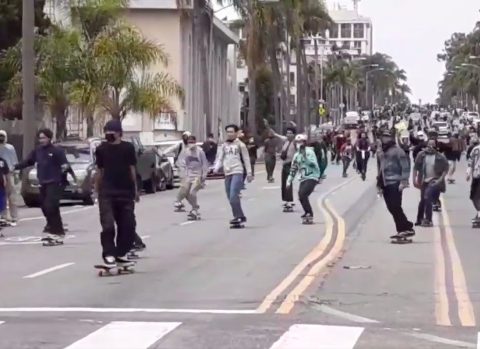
(472, 115)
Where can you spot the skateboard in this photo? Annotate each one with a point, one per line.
(271, 180)
(52, 242)
(401, 240)
(109, 271)
(476, 224)
(436, 208)
(179, 209)
(307, 220)
(237, 225)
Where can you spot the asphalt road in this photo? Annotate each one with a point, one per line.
(276, 284)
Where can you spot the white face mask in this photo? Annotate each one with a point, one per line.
(190, 146)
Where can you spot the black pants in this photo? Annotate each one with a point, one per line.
(287, 192)
(306, 188)
(346, 163)
(252, 163)
(50, 195)
(362, 163)
(475, 193)
(119, 211)
(393, 200)
(270, 161)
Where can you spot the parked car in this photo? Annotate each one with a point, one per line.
(351, 119)
(147, 159)
(165, 172)
(80, 154)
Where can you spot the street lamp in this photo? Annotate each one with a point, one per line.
(28, 77)
(367, 73)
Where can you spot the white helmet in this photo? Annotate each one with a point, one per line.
(300, 138)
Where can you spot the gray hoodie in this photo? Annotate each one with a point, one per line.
(7, 152)
(193, 163)
(234, 158)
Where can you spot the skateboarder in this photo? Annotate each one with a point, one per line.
(305, 163)
(393, 175)
(429, 172)
(117, 190)
(193, 166)
(473, 172)
(179, 149)
(233, 157)
(52, 165)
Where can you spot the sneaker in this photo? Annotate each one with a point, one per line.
(178, 205)
(123, 261)
(13, 223)
(427, 223)
(417, 223)
(236, 221)
(139, 246)
(109, 261)
(409, 233)
(243, 219)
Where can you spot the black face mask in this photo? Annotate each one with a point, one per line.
(2, 140)
(110, 137)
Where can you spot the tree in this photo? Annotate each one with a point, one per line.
(123, 56)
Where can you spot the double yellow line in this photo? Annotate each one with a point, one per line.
(325, 252)
(445, 247)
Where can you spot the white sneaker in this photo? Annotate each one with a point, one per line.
(13, 223)
(109, 261)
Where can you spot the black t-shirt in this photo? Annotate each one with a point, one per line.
(3, 172)
(115, 161)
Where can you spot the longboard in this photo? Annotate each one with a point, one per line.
(109, 271)
(237, 226)
(400, 240)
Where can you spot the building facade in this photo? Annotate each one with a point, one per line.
(202, 58)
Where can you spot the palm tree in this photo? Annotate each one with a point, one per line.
(123, 56)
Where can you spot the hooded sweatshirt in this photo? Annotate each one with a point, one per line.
(305, 163)
(234, 158)
(193, 164)
(7, 152)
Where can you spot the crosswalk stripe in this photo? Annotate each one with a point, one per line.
(125, 335)
(318, 337)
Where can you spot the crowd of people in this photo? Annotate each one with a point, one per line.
(402, 153)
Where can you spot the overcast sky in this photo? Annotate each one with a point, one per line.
(412, 32)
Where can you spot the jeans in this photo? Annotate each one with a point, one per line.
(233, 186)
(270, 161)
(119, 211)
(188, 190)
(393, 200)
(50, 195)
(287, 192)
(429, 195)
(306, 188)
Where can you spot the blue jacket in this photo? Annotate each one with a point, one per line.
(51, 163)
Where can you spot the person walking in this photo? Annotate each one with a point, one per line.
(52, 165)
(305, 163)
(453, 154)
(347, 155)
(393, 174)
(270, 153)
(429, 172)
(233, 157)
(209, 147)
(193, 166)
(116, 185)
(8, 153)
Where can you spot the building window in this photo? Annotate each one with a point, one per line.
(358, 31)
(346, 45)
(292, 78)
(292, 101)
(334, 31)
(357, 45)
(346, 30)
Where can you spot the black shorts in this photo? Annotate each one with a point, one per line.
(452, 155)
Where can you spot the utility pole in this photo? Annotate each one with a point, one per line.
(316, 105)
(28, 76)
